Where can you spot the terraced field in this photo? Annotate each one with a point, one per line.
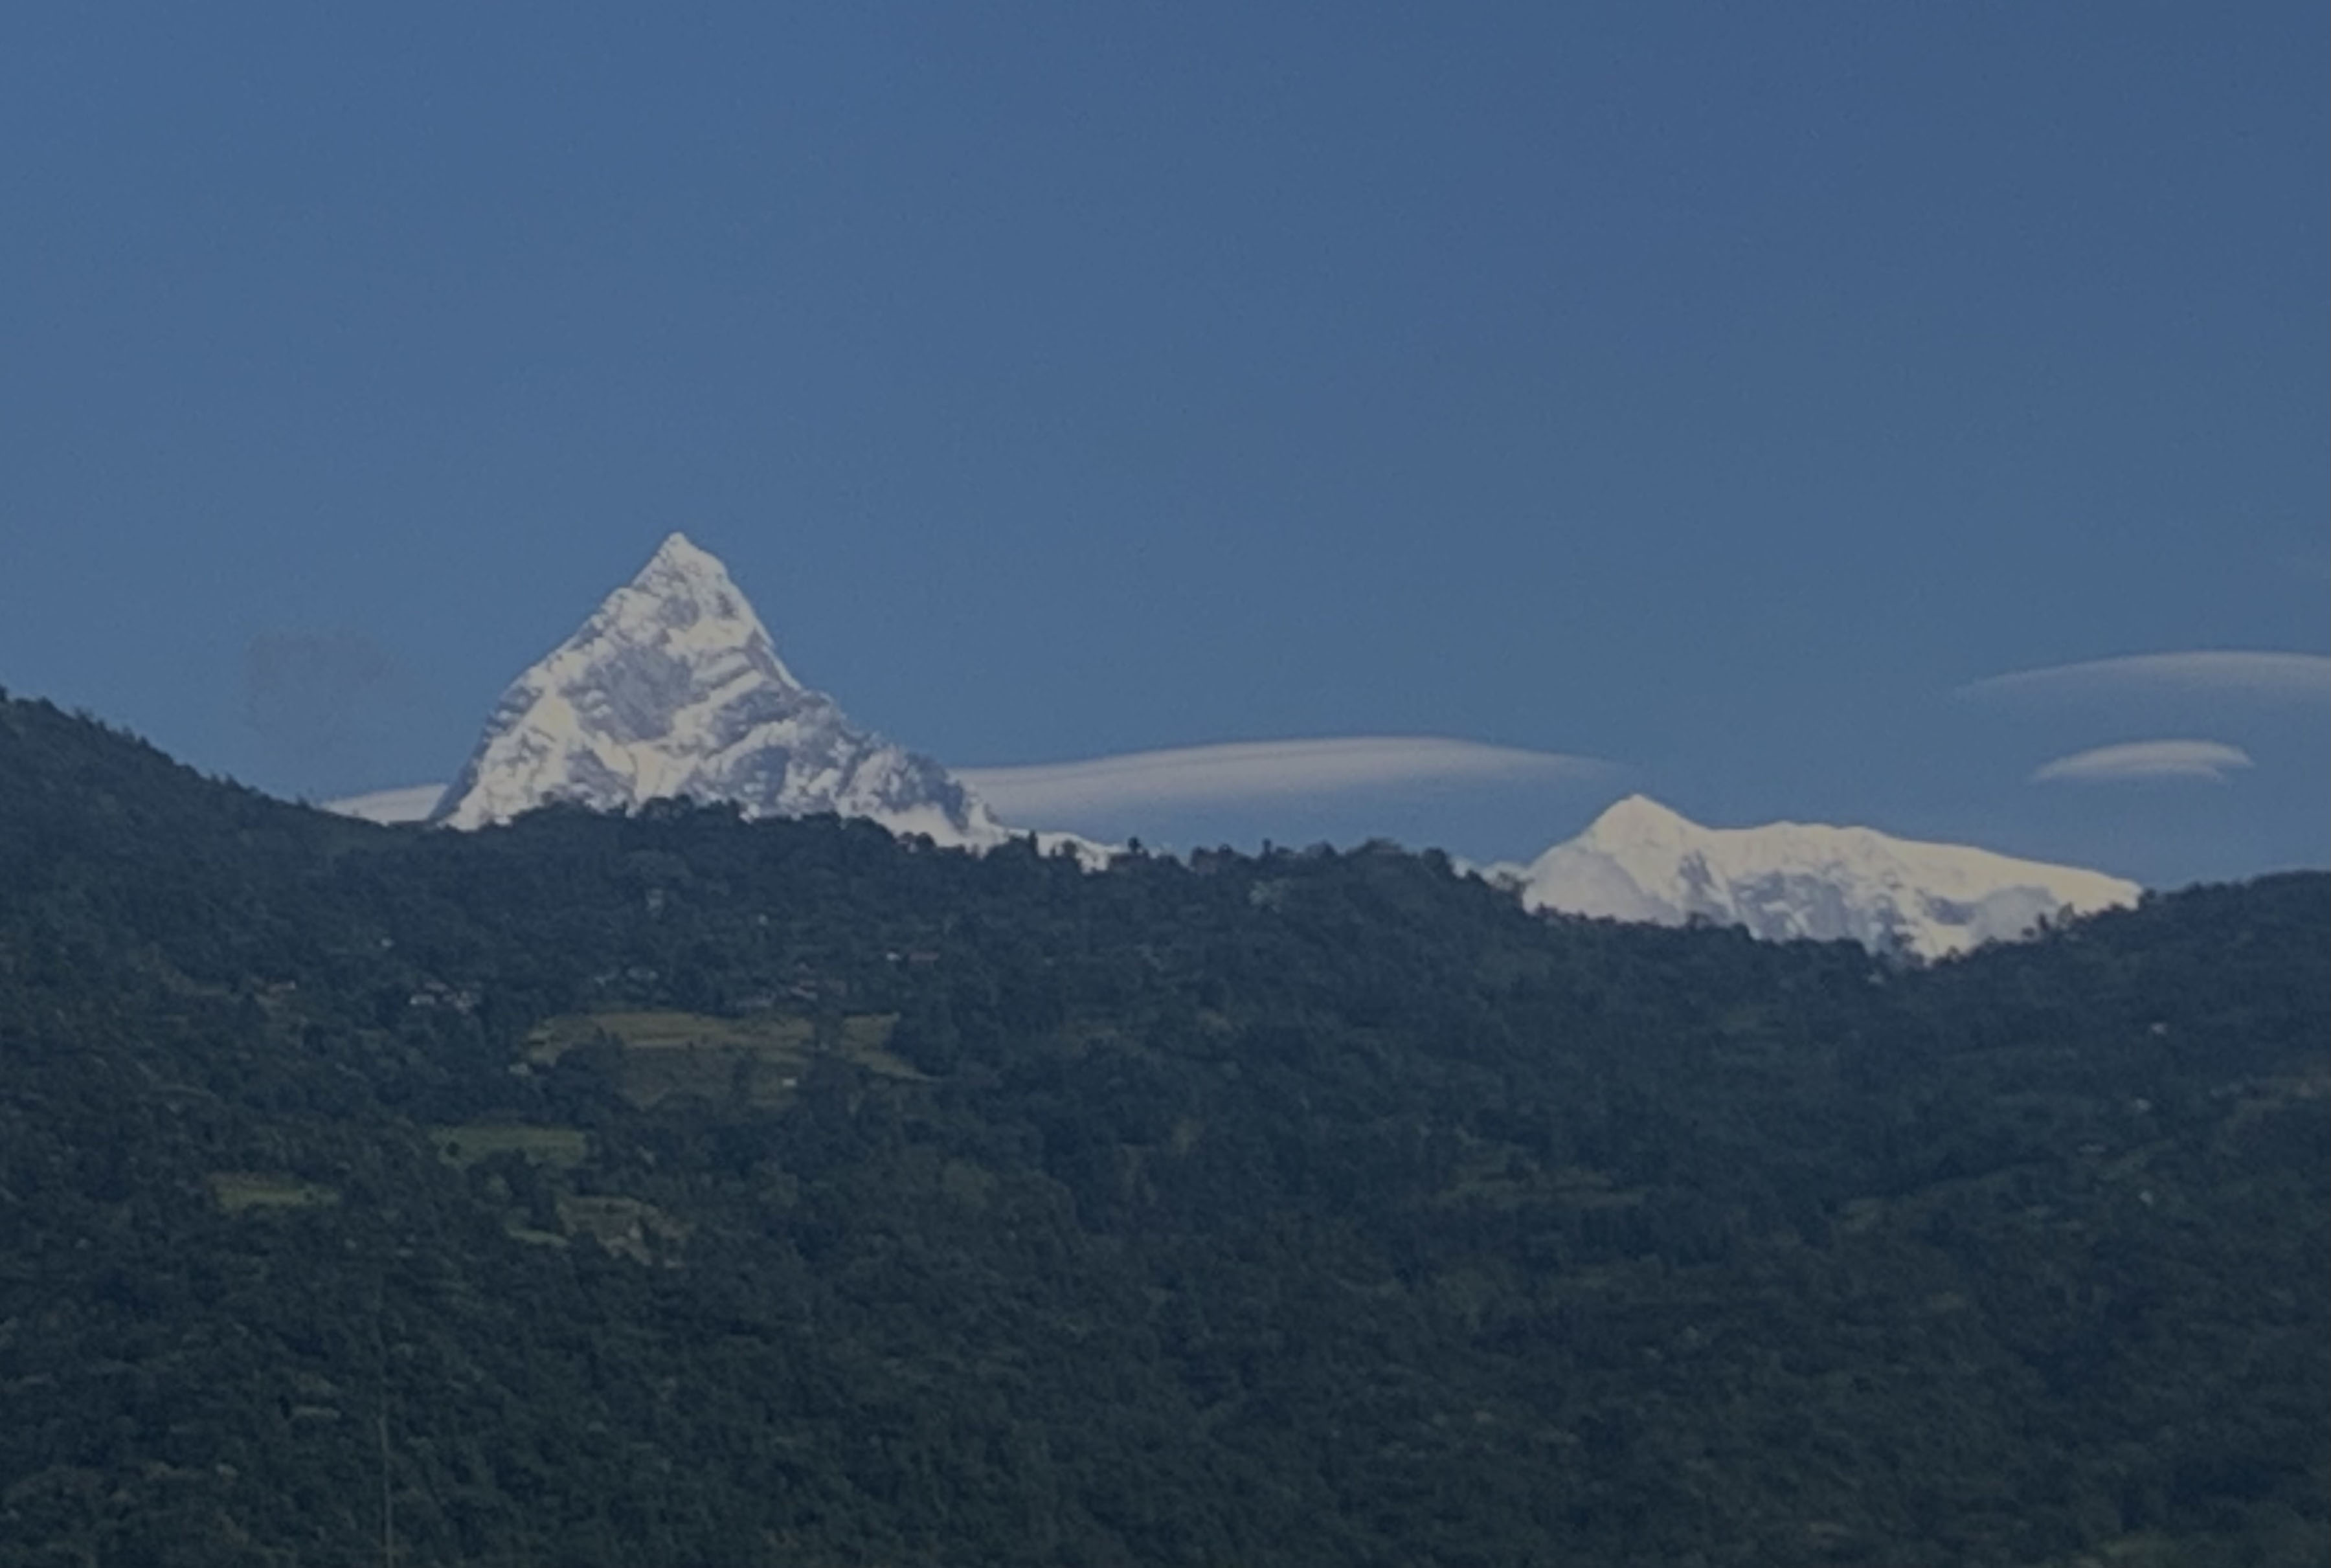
(561, 1148)
(241, 1192)
(758, 1060)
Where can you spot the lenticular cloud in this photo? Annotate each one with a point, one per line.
(2146, 759)
(2277, 677)
(1259, 770)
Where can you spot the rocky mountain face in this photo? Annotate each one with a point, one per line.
(1638, 861)
(672, 689)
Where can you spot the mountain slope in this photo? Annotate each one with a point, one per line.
(672, 689)
(1638, 861)
(671, 1189)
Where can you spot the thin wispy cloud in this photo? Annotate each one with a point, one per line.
(1193, 776)
(2143, 760)
(409, 804)
(1244, 770)
(2276, 677)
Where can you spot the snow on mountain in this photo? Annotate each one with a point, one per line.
(671, 688)
(1638, 861)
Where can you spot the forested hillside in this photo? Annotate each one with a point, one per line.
(673, 1190)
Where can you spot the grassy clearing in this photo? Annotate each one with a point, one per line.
(647, 1031)
(240, 1192)
(758, 1060)
(865, 1040)
(561, 1148)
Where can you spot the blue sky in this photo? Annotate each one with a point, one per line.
(1724, 392)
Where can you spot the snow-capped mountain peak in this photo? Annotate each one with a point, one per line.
(685, 600)
(672, 687)
(1639, 860)
(1637, 822)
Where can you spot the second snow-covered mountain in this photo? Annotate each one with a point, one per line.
(1641, 861)
(672, 689)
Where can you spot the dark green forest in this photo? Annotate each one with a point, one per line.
(673, 1190)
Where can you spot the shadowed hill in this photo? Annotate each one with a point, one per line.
(680, 1190)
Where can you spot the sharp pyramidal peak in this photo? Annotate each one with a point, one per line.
(673, 689)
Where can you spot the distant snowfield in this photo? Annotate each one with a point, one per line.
(1641, 861)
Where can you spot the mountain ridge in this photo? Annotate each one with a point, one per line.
(1642, 861)
(672, 687)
